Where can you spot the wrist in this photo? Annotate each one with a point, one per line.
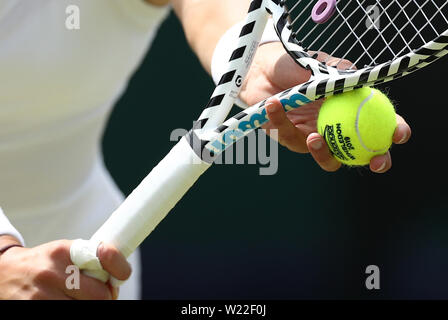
(7, 248)
(7, 242)
(226, 45)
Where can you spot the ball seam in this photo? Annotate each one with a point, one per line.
(358, 114)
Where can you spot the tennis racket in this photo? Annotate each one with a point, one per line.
(384, 40)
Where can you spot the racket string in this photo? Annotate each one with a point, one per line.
(369, 32)
(421, 29)
(387, 46)
(326, 29)
(358, 38)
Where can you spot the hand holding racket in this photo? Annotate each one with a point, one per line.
(383, 40)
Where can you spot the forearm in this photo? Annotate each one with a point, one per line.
(205, 21)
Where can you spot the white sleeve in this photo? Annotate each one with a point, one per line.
(6, 228)
(145, 14)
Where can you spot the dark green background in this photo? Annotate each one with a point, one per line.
(306, 233)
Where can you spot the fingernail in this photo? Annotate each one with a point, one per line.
(403, 139)
(316, 144)
(382, 167)
(271, 107)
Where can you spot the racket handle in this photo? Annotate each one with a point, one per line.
(101, 275)
(83, 253)
(144, 208)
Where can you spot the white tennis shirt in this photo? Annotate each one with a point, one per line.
(57, 88)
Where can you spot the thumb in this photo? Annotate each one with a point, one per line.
(113, 261)
(288, 134)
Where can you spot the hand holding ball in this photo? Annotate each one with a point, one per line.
(357, 125)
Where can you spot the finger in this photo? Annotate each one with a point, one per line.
(113, 261)
(321, 154)
(90, 289)
(381, 164)
(50, 296)
(115, 291)
(46, 293)
(339, 63)
(402, 132)
(288, 134)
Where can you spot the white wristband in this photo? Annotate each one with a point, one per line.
(6, 228)
(226, 45)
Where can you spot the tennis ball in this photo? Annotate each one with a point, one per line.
(357, 125)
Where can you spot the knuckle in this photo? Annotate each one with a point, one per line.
(59, 249)
(46, 275)
(331, 165)
(287, 139)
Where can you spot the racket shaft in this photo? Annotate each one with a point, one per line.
(151, 201)
(255, 21)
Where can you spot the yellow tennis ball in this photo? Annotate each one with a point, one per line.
(357, 125)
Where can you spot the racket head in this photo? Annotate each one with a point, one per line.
(373, 60)
(379, 42)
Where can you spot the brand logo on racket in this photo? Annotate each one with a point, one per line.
(239, 81)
